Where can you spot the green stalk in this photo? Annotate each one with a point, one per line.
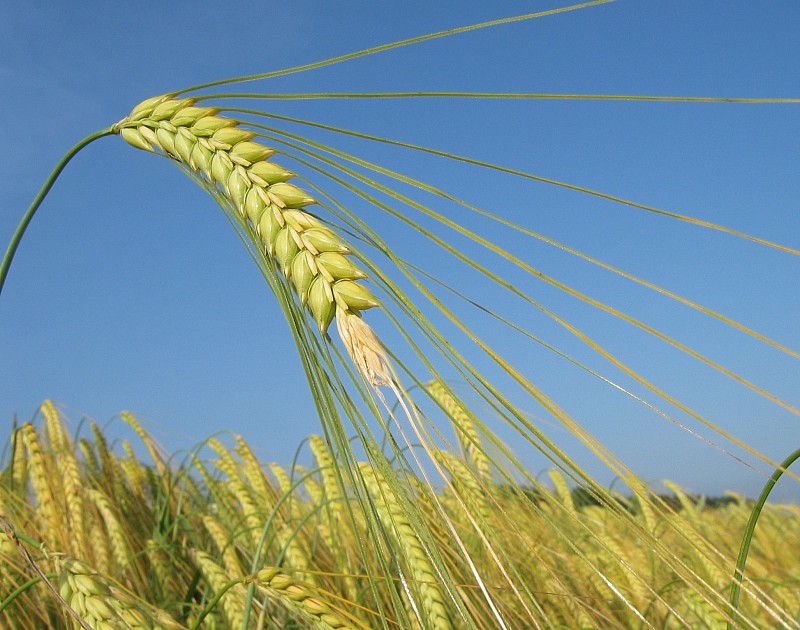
(18, 591)
(48, 184)
(748, 534)
(214, 601)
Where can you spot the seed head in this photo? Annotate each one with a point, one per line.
(309, 254)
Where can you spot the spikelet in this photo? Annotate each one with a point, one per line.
(308, 253)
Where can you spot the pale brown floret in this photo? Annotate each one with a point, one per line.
(364, 348)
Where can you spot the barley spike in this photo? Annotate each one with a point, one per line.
(308, 253)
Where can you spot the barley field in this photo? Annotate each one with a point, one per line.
(486, 419)
(215, 538)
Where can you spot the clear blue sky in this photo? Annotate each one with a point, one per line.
(131, 292)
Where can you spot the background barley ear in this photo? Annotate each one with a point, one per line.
(42, 478)
(304, 601)
(236, 488)
(101, 603)
(468, 486)
(288, 520)
(153, 449)
(225, 543)
(424, 594)
(218, 583)
(335, 514)
(71, 497)
(254, 472)
(465, 427)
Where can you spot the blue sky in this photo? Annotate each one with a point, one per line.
(131, 292)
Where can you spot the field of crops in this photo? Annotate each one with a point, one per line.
(216, 539)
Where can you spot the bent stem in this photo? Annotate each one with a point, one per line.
(48, 184)
(748, 534)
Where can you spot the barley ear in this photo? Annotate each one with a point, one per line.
(233, 600)
(72, 483)
(303, 600)
(11, 536)
(465, 426)
(226, 159)
(393, 516)
(101, 604)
